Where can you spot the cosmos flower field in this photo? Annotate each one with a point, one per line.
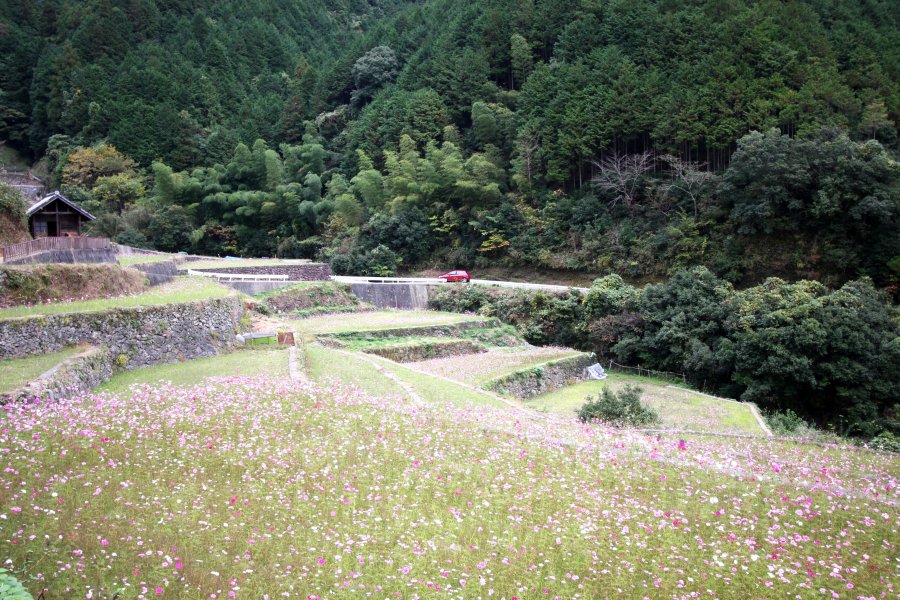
(254, 488)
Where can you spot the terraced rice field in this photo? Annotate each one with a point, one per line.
(376, 320)
(489, 365)
(678, 408)
(265, 489)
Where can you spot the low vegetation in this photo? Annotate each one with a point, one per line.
(239, 363)
(829, 355)
(181, 289)
(678, 408)
(17, 372)
(373, 321)
(310, 298)
(620, 408)
(43, 283)
(13, 225)
(496, 362)
(259, 487)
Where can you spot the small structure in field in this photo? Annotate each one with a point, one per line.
(54, 215)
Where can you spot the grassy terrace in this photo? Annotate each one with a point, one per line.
(326, 365)
(363, 344)
(496, 362)
(16, 372)
(264, 488)
(182, 289)
(240, 363)
(141, 259)
(677, 408)
(376, 320)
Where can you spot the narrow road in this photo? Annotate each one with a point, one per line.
(436, 281)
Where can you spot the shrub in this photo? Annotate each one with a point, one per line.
(132, 237)
(784, 422)
(12, 204)
(11, 588)
(886, 441)
(620, 409)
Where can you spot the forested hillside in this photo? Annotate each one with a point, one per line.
(641, 137)
(742, 140)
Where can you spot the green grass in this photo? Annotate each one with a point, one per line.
(325, 364)
(677, 408)
(260, 489)
(10, 157)
(245, 262)
(17, 372)
(375, 320)
(266, 488)
(433, 389)
(141, 259)
(182, 289)
(237, 363)
(362, 344)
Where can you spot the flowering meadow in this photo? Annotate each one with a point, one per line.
(260, 488)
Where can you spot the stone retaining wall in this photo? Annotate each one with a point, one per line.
(403, 353)
(307, 272)
(542, 378)
(82, 372)
(136, 337)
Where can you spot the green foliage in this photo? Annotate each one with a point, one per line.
(11, 588)
(170, 230)
(373, 70)
(619, 409)
(610, 295)
(784, 422)
(12, 205)
(394, 134)
(540, 317)
(886, 441)
(684, 326)
(116, 193)
(832, 354)
(843, 193)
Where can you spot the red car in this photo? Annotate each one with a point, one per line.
(455, 276)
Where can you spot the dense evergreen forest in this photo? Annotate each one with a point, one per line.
(636, 137)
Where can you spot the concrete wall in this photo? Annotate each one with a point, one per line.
(158, 272)
(106, 255)
(407, 296)
(304, 272)
(136, 337)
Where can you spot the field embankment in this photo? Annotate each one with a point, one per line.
(36, 284)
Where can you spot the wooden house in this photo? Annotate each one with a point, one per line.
(54, 215)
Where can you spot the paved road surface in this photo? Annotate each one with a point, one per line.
(436, 281)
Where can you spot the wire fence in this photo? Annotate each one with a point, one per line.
(641, 371)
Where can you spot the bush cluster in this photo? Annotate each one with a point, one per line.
(620, 409)
(828, 356)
